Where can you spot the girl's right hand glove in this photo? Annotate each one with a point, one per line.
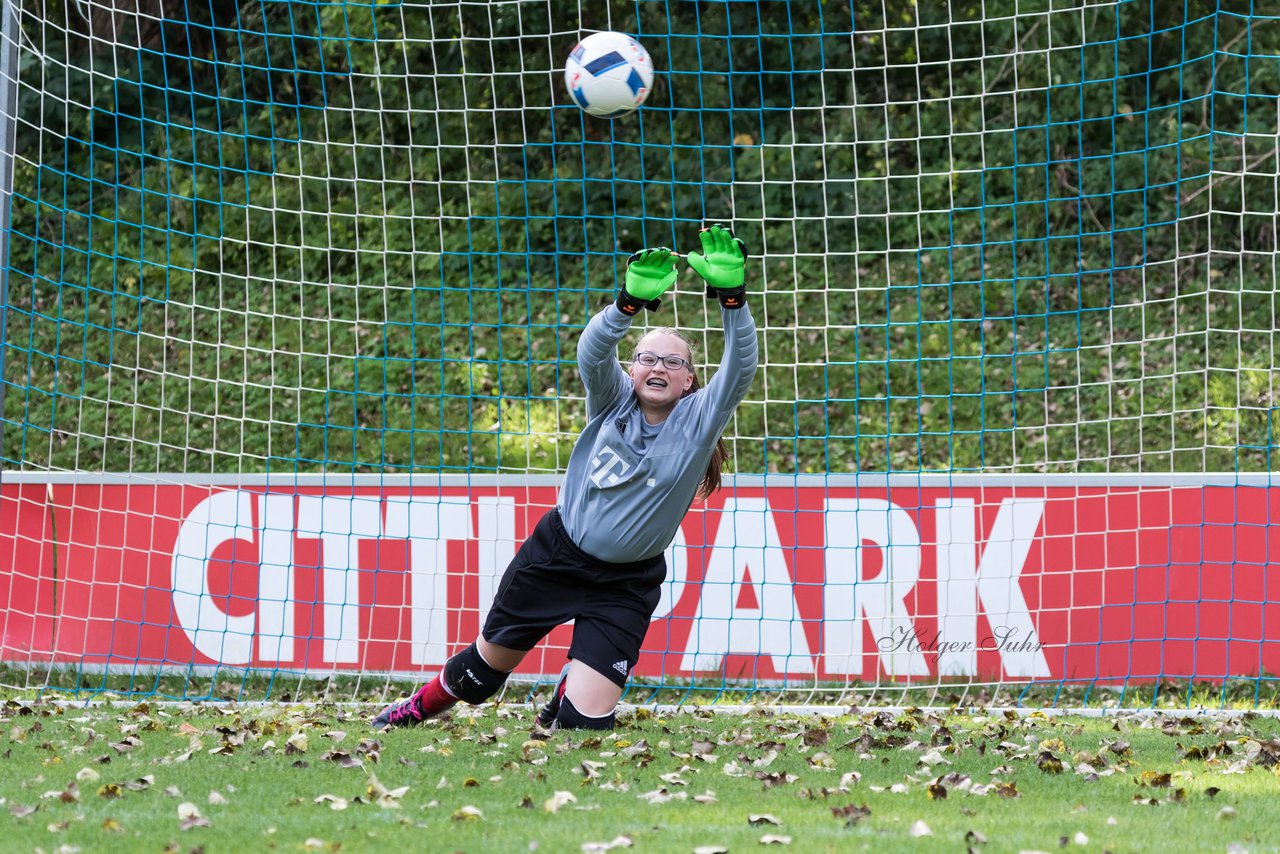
(650, 273)
(721, 265)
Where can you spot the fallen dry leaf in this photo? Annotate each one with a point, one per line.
(382, 796)
(597, 847)
(776, 778)
(934, 757)
(661, 796)
(1154, 779)
(557, 800)
(1048, 763)
(1008, 790)
(334, 802)
(851, 814)
(126, 744)
(141, 784)
(189, 816)
(765, 760)
(343, 759)
(69, 795)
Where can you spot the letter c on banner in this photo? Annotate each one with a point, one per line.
(220, 518)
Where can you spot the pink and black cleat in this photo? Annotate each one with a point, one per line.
(405, 713)
(410, 712)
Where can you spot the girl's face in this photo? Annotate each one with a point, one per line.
(659, 386)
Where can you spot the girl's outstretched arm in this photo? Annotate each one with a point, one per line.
(737, 369)
(598, 366)
(722, 265)
(650, 273)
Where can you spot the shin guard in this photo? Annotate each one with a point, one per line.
(469, 677)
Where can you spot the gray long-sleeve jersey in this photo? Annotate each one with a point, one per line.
(629, 483)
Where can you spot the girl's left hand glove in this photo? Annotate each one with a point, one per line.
(721, 265)
(650, 274)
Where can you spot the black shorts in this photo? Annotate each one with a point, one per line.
(551, 581)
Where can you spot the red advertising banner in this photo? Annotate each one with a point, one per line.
(811, 582)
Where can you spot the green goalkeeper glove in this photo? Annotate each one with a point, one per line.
(721, 264)
(650, 273)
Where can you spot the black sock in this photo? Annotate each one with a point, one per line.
(570, 718)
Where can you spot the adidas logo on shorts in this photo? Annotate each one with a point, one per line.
(621, 667)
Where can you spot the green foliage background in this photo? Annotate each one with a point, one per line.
(292, 236)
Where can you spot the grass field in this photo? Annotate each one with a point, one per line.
(277, 777)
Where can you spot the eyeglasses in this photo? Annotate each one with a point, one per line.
(672, 363)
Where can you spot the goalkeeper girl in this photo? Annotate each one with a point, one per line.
(652, 443)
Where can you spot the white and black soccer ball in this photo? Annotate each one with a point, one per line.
(608, 74)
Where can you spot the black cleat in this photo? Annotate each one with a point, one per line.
(547, 714)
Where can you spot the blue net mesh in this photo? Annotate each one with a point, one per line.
(295, 239)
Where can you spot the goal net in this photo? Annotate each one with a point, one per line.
(293, 291)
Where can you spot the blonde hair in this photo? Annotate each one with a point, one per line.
(720, 454)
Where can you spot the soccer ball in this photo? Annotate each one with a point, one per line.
(608, 74)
